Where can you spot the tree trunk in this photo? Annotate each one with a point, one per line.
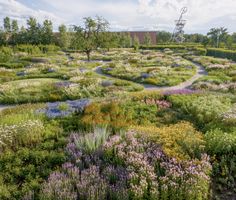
(88, 55)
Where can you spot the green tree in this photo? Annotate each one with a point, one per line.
(109, 40)
(2, 37)
(34, 31)
(124, 40)
(14, 26)
(229, 41)
(217, 35)
(136, 43)
(147, 39)
(63, 39)
(234, 37)
(14, 32)
(195, 38)
(163, 36)
(22, 36)
(205, 41)
(47, 32)
(7, 29)
(7, 24)
(89, 37)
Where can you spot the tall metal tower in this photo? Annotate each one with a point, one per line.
(178, 33)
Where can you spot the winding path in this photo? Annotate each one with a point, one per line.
(185, 85)
(3, 107)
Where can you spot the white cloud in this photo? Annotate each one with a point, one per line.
(18, 11)
(131, 14)
(201, 13)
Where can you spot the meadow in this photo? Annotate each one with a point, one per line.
(128, 124)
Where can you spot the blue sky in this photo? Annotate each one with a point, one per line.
(127, 14)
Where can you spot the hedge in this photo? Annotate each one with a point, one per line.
(36, 49)
(197, 49)
(14, 65)
(222, 53)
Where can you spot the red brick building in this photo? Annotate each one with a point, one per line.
(141, 35)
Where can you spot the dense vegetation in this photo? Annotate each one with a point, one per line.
(103, 128)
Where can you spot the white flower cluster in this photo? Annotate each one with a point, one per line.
(9, 132)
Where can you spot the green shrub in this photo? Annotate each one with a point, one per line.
(14, 65)
(6, 54)
(219, 142)
(203, 110)
(35, 50)
(200, 51)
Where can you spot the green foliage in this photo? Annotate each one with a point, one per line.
(63, 39)
(203, 109)
(219, 142)
(217, 35)
(36, 49)
(147, 39)
(200, 51)
(90, 37)
(6, 54)
(222, 53)
(174, 46)
(136, 43)
(34, 151)
(25, 169)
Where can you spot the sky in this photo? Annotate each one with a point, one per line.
(127, 15)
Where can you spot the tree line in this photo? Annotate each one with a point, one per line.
(94, 33)
(216, 37)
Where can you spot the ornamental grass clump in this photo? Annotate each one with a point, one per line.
(92, 141)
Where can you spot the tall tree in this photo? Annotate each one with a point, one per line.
(15, 32)
(7, 24)
(136, 43)
(14, 26)
(147, 39)
(234, 37)
(89, 37)
(47, 32)
(229, 41)
(2, 37)
(34, 31)
(109, 40)
(7, 29)
(63, 37)
(217, 35)
(205, 41)
(124, 40)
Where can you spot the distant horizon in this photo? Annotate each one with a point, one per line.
(127, 15)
